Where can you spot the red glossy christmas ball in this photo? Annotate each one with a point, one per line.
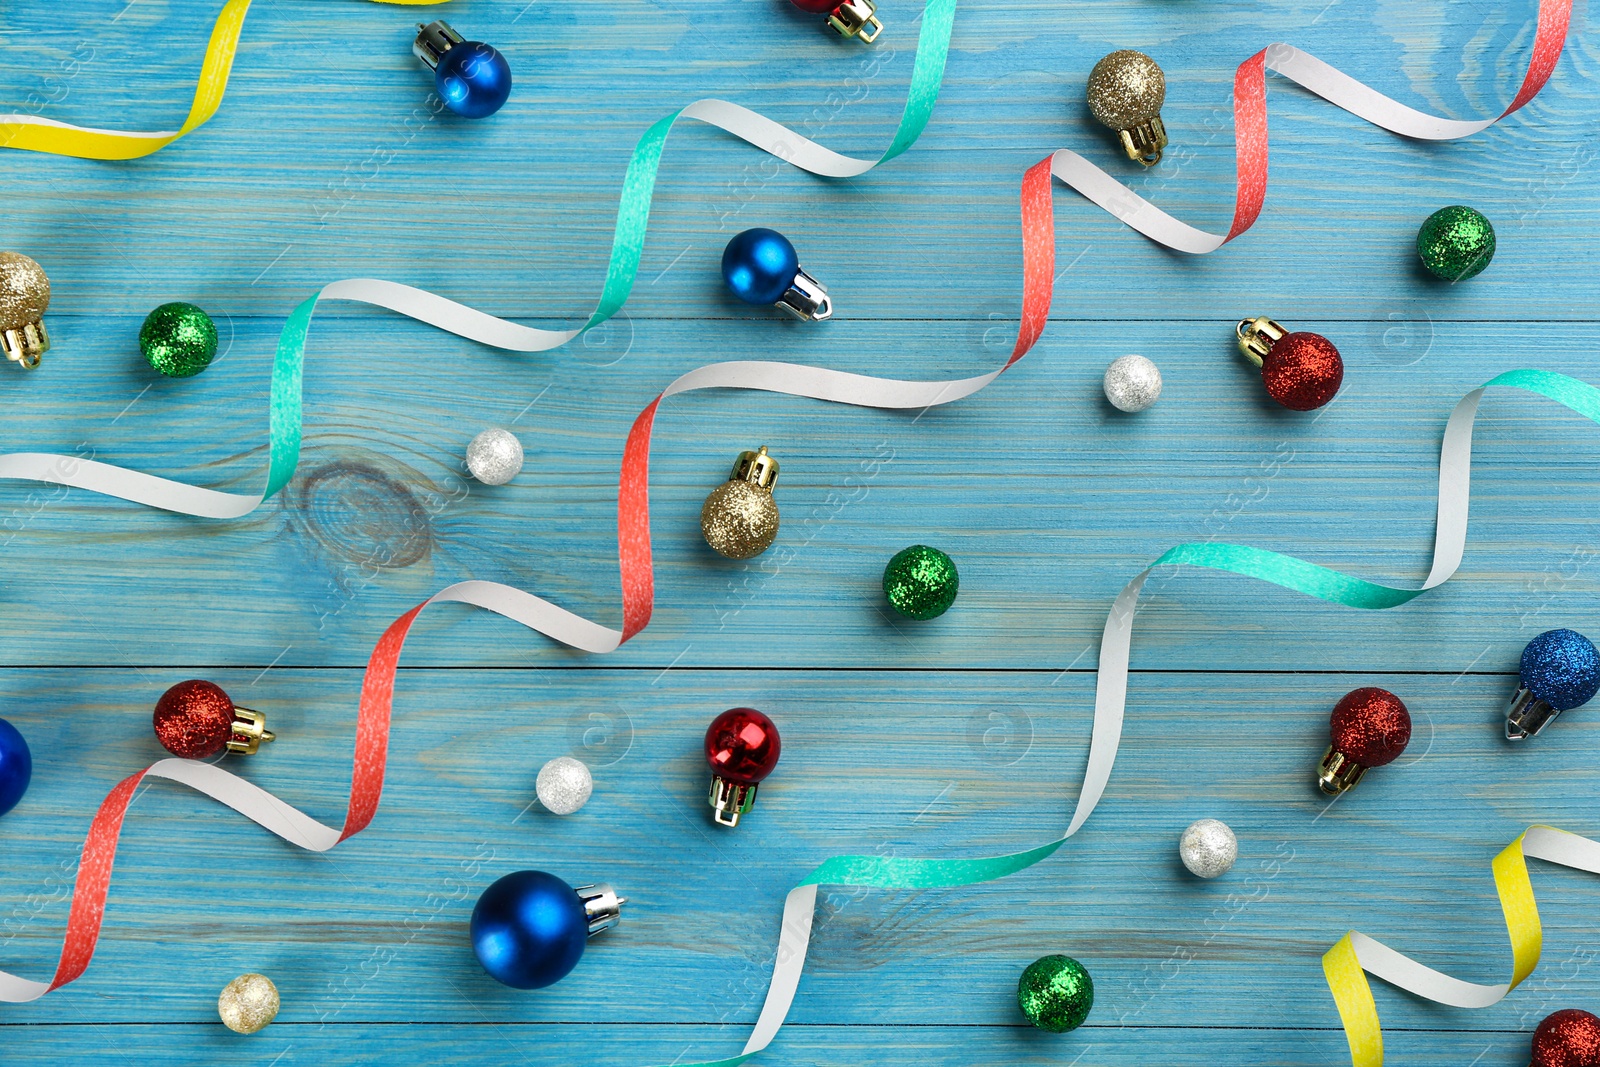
(1567, 1038)
(1371, 726)
(742, 746)
(194, 719)
(816, 7)
(1302, 371)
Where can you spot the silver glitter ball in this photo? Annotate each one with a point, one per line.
(1132, 383)
(494, 457)
(1208, 848)
(564, 785)
(248, 1003)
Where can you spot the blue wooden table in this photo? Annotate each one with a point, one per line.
(964, 736)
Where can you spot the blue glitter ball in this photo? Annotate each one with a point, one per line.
(759, 266)
(473, 79)
(1561, 668)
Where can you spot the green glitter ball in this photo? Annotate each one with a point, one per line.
(178, 339)
(921, 582)
(1055, 993)
(1455, 243)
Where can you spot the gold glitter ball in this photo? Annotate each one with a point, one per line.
(248, 1003)
(739, 520)
(1126, 89)
(24, 291)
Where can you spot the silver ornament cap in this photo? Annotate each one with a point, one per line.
(1208, 848)
(495, 456)
(1132, 383)
(564, 785)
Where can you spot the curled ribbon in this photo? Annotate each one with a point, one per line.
(1356, 955)
(30, 133)
(634, 552)
(377, 695)
(633, 218)
(1250, 122)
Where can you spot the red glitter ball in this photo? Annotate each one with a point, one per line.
(1567, 1038)
(742, 746)
(816, 7)
(1371, 726)
(1302, 371)
(194, 719)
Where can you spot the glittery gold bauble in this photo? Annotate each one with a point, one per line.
(1125, 89)
(248, 1003)
(739, 519)
(24, 291)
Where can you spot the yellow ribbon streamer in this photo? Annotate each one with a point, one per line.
(33, 134)
(1346, 972)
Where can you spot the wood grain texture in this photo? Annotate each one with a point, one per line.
(960, 737)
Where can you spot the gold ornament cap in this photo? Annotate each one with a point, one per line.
(1338, 772)
(24, 298)
(757, 468)
(739, 518)
(249, 730)
(1126, 91)
(1257, 336)
(858, 19)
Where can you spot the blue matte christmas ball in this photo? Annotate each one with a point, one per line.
(759, 266)
(473, 79)
(1561, 668)
(529, 929)
(16, 766)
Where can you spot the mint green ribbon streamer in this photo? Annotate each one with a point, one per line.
(1282, 570)
(627, 245)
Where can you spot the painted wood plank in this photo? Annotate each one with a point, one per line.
(1048, 506)
(920, 764)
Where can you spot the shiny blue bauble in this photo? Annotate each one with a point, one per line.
(16, 766)
(473, 79)
(759, 266)
(1561, 668)
(529, 929)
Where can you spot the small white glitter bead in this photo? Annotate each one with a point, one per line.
(248, 1003)
(564, 785)
(1132, 383)
(1208, 848)
(494, 457)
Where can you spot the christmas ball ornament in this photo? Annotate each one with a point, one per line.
(852, 18)
(1368, 728)
(1560, 670)
(739, 518)
(1055, 993)
(248, 1003)
(1456, 243)
(16, 766)
(742, 747)
(178, 339)
(921, 582)
(762, 267)
(1302, 371)
(24, 298)
(197, 720)
(495, 456)
(1208, 848)
(564, 785)
(1567, 1038)
(472, 79)
(1126, 91)
(1132, 383)
(529, 928)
